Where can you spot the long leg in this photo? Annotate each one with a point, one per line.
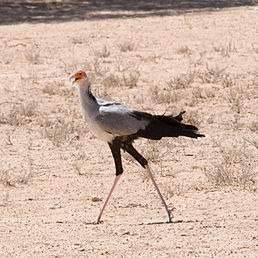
(115, 149)
(107, 199)
(144, 163)
(170, 215)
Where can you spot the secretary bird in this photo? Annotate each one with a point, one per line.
(119, 126)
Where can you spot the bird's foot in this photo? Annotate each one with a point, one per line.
(97, 222)
(170, 215)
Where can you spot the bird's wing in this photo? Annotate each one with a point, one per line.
(103, 102)
(119, 120)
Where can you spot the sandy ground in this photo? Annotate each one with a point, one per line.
(55, 175)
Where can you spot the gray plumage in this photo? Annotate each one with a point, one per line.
(119, 126)
(118, 120)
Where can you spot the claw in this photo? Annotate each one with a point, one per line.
(97, 222)
(170, 216)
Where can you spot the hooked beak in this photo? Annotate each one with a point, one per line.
(72, 78)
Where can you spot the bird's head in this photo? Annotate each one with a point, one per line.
(78, 76)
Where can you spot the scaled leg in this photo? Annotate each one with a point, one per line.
(115, 149)
(144, 163)
(107, 199)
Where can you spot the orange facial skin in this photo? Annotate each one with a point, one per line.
(78, 75)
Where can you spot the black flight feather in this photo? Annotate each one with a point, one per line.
(164, 126)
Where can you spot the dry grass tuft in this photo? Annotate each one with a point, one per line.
(228, 80)
(225, 51)
(184, 50)
(10, 179)
(211, 74)
(103, 53)
(182, 81)
(236, 97)
(98, 68)
(112, 80)
(254, 126)
(234, 168)
(49, 89)
(164, 96)
(127, 79)
(127, 46)
(78, 40)
(131, 79)
(32, 55)
(4, 199)
(19, 114)
(255, 48)
(193, 118)
(17, 176)
(61, 131)
(174, 189)
(153, 153)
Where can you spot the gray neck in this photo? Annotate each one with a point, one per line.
(86, 97)
(88, 102)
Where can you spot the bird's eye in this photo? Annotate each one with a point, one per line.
(80, 74)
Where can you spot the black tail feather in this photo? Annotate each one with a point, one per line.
(165, 126)
(179, 117)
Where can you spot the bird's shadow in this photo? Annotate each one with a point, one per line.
(167, 222)
(148, 223)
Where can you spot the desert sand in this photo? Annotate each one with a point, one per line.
(55, 174)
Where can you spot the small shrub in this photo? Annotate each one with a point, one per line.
(78, 40)
(19, 114)
(127, 46)
(193, 118)
(131, 79)
(234, 168)
(164, 96)
(225, 51)
(104, 52)
(61, 131)
(211, 74)
(49, 89)
(185, 50)
(112, 80)
(235, 99)
(182, 81)
(32, 55)
(228, 81)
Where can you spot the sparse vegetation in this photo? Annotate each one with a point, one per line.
(131, 79)
(98, 67)
(192, 117)
(78, 40)
(182, 81)
(62, 131)
(32, 55)
(49, 89)
(104, 52)
(255, 48)
(211, 74)
(19, 114)
(164, 96)
(17, 176)
(112, 81)
(127, 79)
(10, 179)
(184, 50)
(127, 46)
(226, 50)
(234, 168)
(235, 99)
(254, 126)
(158, 60)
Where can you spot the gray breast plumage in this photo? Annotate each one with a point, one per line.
(118, 120)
